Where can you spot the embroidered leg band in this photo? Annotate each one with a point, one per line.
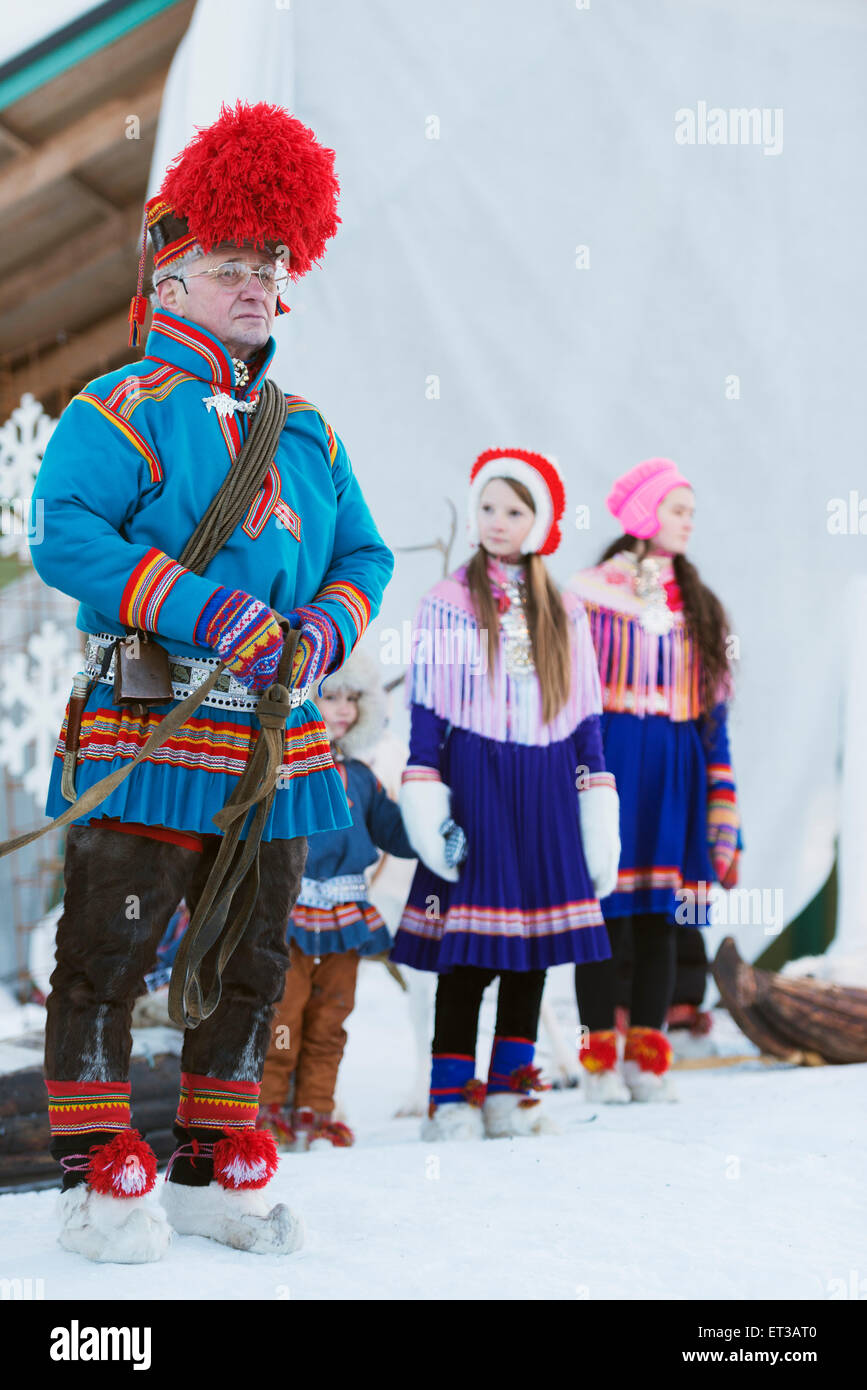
(92, 1140)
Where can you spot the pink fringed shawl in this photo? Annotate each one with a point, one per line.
(450, 672)
(641, 672)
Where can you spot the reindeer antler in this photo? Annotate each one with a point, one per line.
(445, 549)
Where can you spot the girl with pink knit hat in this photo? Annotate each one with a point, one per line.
(660, 638)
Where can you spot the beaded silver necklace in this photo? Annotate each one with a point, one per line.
(518, 643)
(655, 617)
(242, 372)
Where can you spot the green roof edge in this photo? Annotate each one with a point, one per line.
(50, 65)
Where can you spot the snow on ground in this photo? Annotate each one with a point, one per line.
(750, 1188)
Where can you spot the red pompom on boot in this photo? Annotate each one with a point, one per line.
(108, 1217)
(245, 1158)
(124, 1167)
(233, 1209)
(602, 1082)
(646, 1061)
(475, 1091)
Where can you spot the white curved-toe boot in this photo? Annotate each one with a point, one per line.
(647, 1059)
(233, 1207)
(601, 1081)
(605, 1088)
(110, 1216)
(646, 1086)
(509, 1114)
(244, 1219)
(112, 1230)
(455, 1120)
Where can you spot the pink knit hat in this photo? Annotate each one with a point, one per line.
(634, 498)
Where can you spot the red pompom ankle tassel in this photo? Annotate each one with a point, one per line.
(124, 1167)
(245, 1158)
(599, 1050)
(527, 1078)
(475, 1091)
(649, 1048)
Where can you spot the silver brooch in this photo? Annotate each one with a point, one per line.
(226, 405)
(655, 617)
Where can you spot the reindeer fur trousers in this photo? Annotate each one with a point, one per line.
(119, 892)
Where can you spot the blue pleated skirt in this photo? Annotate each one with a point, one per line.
(524, 900)
(660, 770)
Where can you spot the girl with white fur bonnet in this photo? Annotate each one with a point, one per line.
(505, 711)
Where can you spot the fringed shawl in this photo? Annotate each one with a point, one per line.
(450, 672)
(641, 672)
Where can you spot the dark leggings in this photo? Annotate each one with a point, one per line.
(654, 949)
(120, 891)
(459, 997)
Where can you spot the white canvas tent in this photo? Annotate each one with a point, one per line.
(534, 252)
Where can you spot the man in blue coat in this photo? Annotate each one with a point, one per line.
(130, 470)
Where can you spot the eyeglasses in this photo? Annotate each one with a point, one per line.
(235, 275)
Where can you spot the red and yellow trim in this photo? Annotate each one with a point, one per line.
(218, 747)
(295, 403)
(263, 504)
(129, 394)
(356, 603)
(147, 453)
(417, 773)
(206, 1102)
(81, 1107)
(147, 589)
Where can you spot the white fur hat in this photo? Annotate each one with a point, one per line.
(362, 673)
(540, 475)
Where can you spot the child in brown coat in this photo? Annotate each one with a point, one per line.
(332, 924)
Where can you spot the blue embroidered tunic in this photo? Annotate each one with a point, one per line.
(129, 471)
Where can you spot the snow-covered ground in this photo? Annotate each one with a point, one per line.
(750, 1188)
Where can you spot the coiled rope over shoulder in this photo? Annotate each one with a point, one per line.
(257, 786)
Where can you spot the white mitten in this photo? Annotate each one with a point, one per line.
(599, 809)
(424, 806)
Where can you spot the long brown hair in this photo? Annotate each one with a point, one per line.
(705, 616)
(546, 618)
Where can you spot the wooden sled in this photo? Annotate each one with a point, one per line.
(803, 1021)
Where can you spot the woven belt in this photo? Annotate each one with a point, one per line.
(325, 892)
(187, 674)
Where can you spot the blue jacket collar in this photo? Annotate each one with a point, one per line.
(196, 350)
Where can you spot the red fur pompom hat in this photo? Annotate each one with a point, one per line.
(256, 175)
(538, 473)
